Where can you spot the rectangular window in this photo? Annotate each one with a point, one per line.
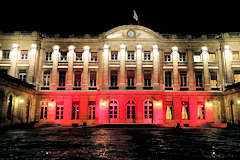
(114, 79)
(183, 78)
(62, 78)
(93, 57)
(91, 109)
(213, 79)
(197, 57)
(63, 56)
(235, 55)
(147, 78)
(114, 55)
(24, 54)
(59, 111)
(198, 78)
(46, 78)
(22, 75)
(93, 78)
(43, 114)
(168, 79)
(130, 55)
(167, 57)
(6, 54)
(147, 56)
(182, 57)
(77, 80)
(75, 110)
(212, 57)
(236, 76)
(48, 56)
(78, 56)
(130, 78)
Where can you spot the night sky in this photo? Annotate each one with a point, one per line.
(90, 17)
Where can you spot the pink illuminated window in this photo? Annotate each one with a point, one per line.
(169, 110)
(59, 111)
(91, 109)
(185, 110)
(75, 110)
(113, 109)
(201, 111)
(131, 107)
(43, 114)
(148, 109)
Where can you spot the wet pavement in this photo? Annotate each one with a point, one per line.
(120, 143)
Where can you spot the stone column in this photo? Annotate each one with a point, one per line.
(155, 67)
(122, 80)
(38, 64)
(32, 64)
(13, 58)
(190, 70)
(220, 70)
(228, 65)
(105, 66)
(70, 59)
(54, 74)
(85, 57)
(205, 68)
(176, 85)
(161, 80)
(139, 83)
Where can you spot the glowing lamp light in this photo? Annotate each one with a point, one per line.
(238, 101)
(174, 48)
(34, 46)
(21, 100)
(209, 104)
(158, 104)
(103, 104)
(51, 104)
(15, 45)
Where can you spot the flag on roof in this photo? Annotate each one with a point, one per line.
(135, 16)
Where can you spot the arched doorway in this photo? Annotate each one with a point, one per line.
(148, 111)
(231, 111)
(10, 107)
(131, 111)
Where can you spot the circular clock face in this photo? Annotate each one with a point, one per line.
(130, 33)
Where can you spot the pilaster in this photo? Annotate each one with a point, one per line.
(85, 57)
(139, 83)
(205, 68)
(155, 67)
(14, 53)
(70, 59)
(54, 74)
(190, 70)
(105, 66)
(32, 61)
(175, 56)
(122, 81)
(228, 66)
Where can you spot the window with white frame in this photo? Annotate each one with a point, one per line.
(59, 111)
(182, 57)
(63, 56)
(131, 107)
(130, 55)
(43, 114)
(22, 75)
(167, 57)
(48, 56)
(75, 110)
(147, 56)
(5, 54)
(78, 56)
(94, 57)
(46, 78)
(91, 109)
(114, 55)
(197, 57)
(24, 54)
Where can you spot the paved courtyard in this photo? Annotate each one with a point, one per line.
(120, 143)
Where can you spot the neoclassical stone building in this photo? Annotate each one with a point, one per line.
(129, 74)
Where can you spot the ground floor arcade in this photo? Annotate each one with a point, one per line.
(149, 107)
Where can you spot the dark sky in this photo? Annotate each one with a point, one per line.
(90, 17)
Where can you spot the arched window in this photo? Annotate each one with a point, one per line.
(131, 107)
(113, 109)
(10, 104)
(148, 109)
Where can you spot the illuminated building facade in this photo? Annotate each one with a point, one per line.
(129, 74)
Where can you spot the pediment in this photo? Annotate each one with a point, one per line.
(137, 32)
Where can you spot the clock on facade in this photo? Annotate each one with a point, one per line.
(131, 33)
